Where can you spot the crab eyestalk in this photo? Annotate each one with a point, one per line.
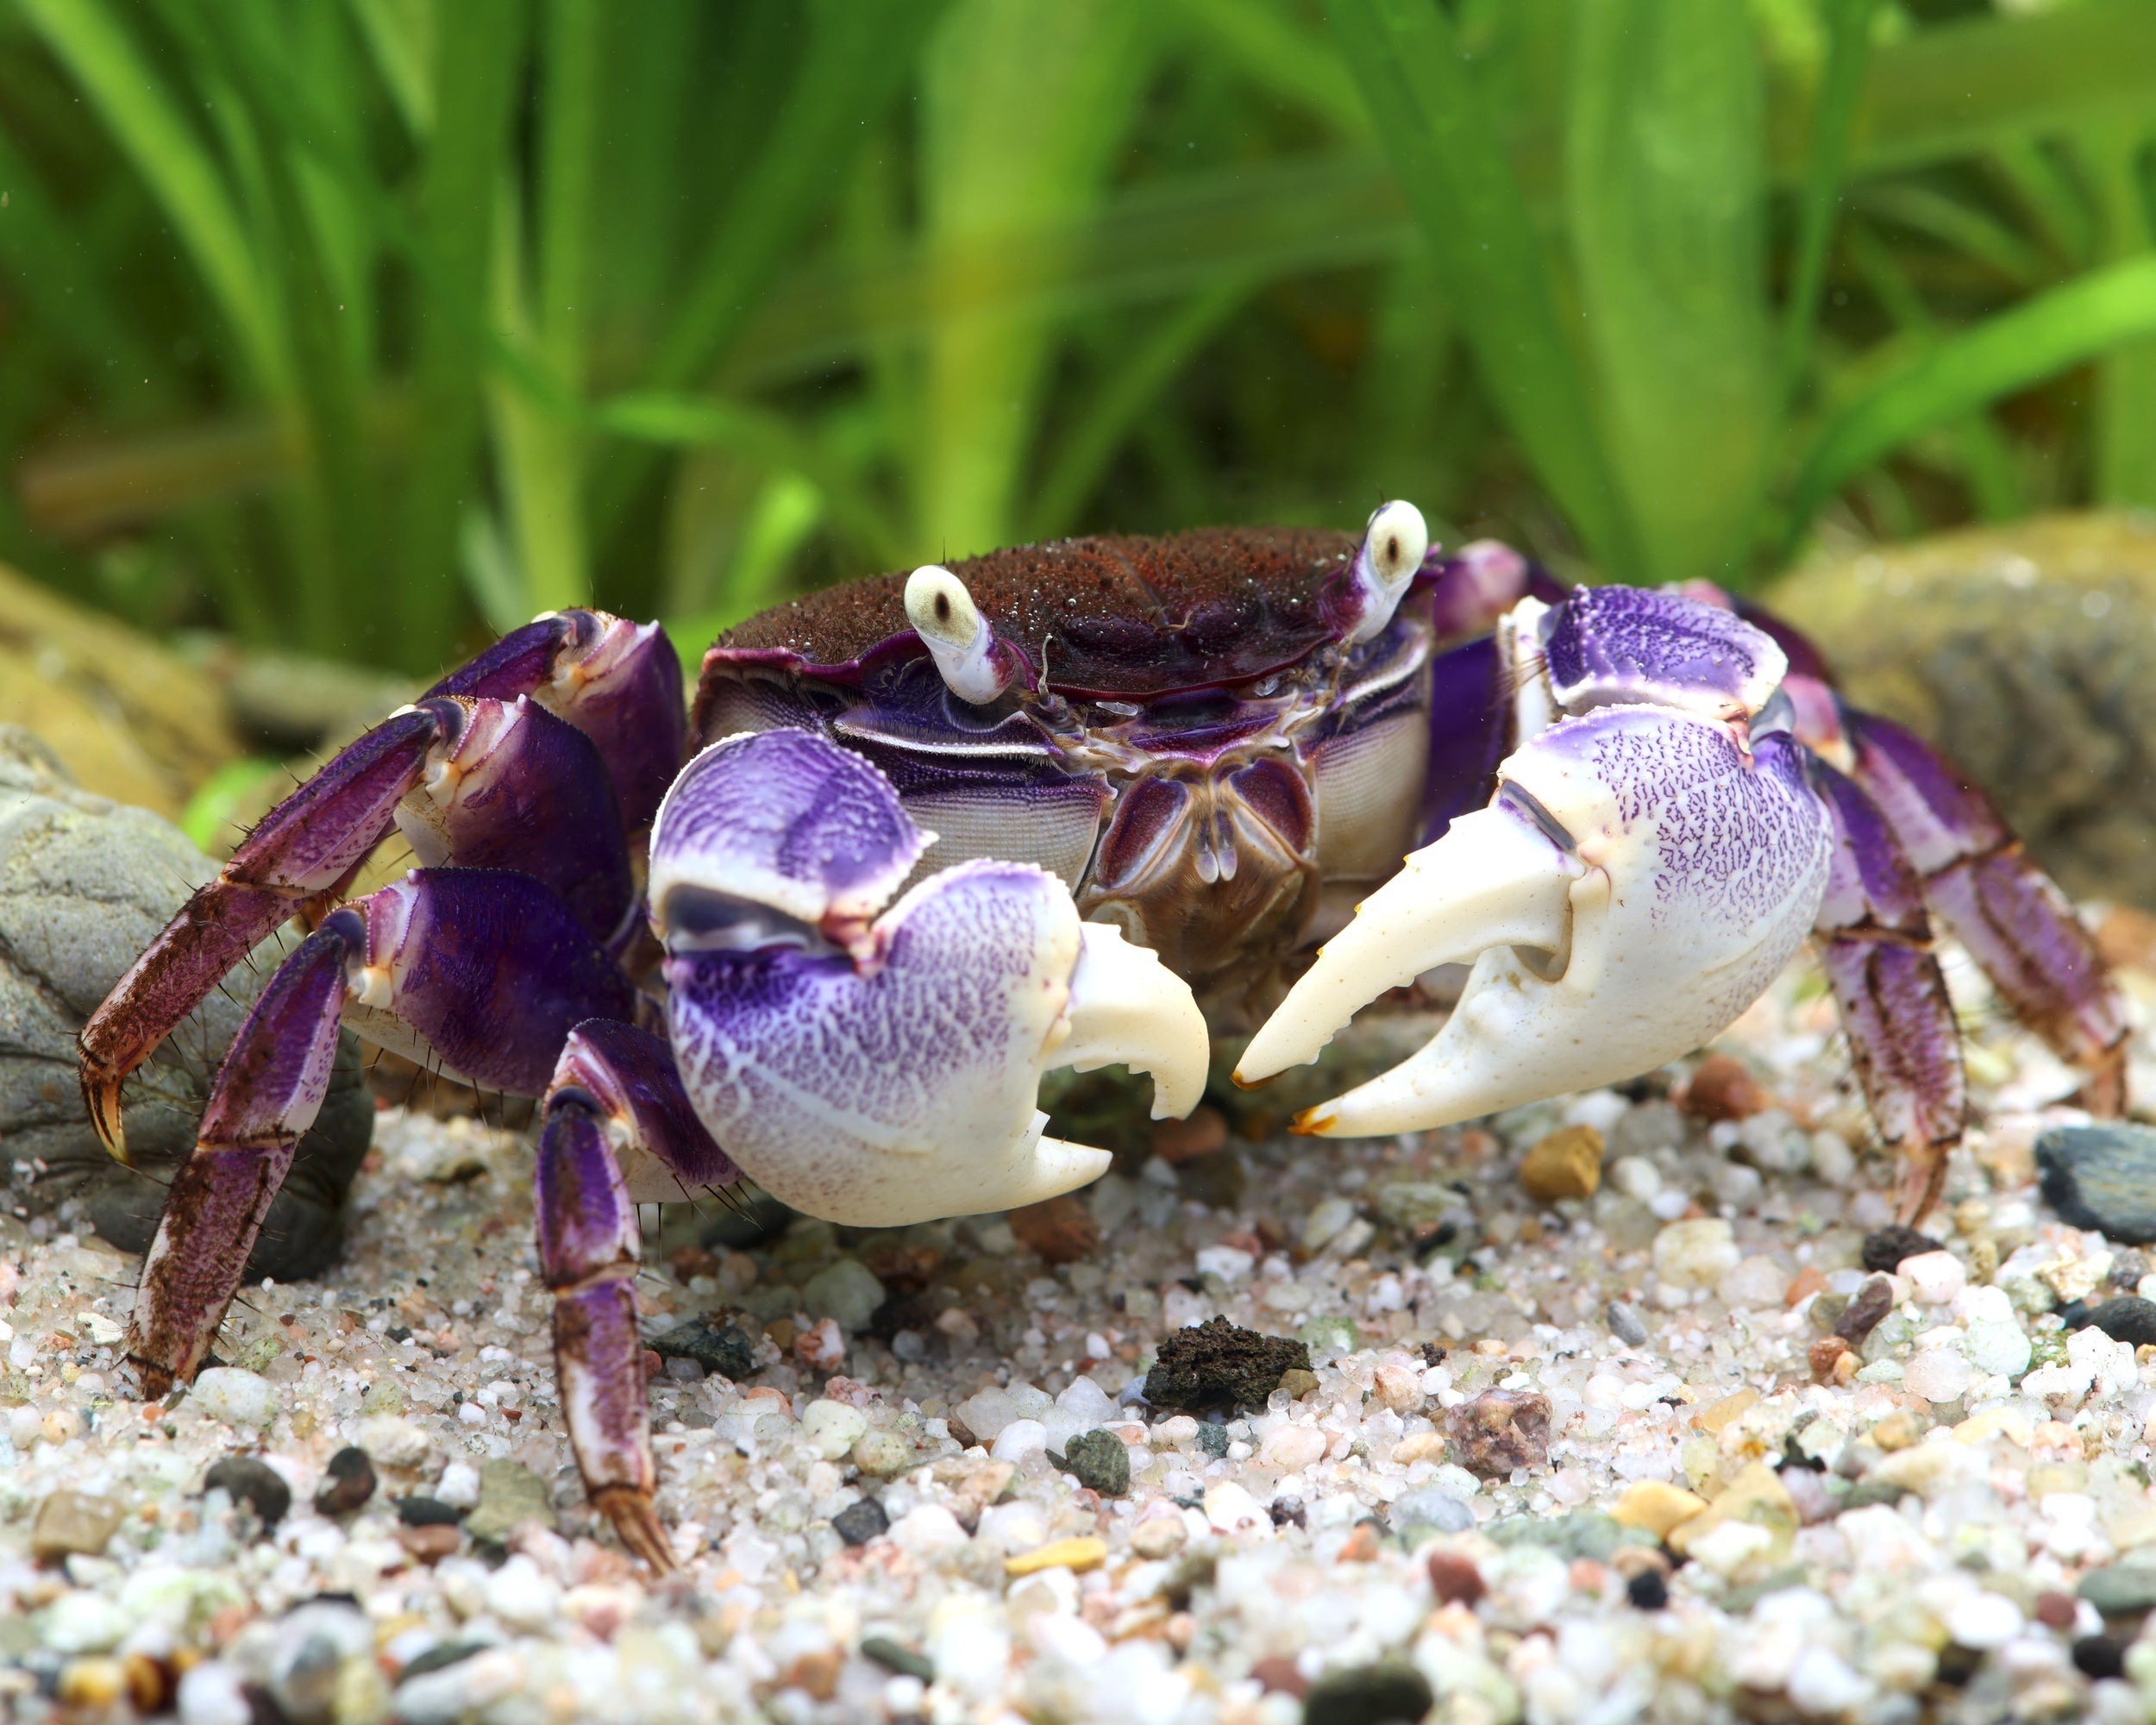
(1395, 542)
(958, 638)
(880, 1072)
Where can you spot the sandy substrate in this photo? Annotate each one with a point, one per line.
(1915, 1541)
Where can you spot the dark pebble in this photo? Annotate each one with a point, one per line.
(439, 1657)
(1101, 1460)
(893, 1656)
(2127, 1319)
(1287, 1509)
(1213, 1441)
(1454, 1579)
(2122, 1591)
(1624, 1324)
(1216, 1181)
(1884, 1248)
(2101, 1177)
(2101, 1656)
(1957, 1664)
(398, 1333)
(1217, 1364)
(1861, 1316)
(246, 1480)
(723, 1350)
(1648, 1590)
(426, 1512)
(861, 1521)
(346, 1483)
(2127, 1270)
(1368, 1695)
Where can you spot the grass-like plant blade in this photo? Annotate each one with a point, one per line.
(1834, 122)
(135, 107)
(2010, 351)
(1497, 276)
(2117, 156)
(1664, 183)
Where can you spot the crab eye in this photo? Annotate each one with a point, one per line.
(1396, 539)
(1394, 544)
(955, 632)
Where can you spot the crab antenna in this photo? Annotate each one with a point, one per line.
(955, 632)
(1394, 544)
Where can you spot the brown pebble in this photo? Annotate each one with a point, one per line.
(71, 1523)
(94, 1682)
(1806, 1282)
(1454, 1579)
(1567, 1163)
(1861, 1316)
(2055, 1611)
(1278, 1674)
(2127, 938)
(432, 1543)
(1498, 1432)
(1062, 1230)
(1202, 1133)
(1898, 1431)
(1298, 1383)
(1825, 1356)
(817, 1673)
(1723, 1088)
(690, 1261)
(150, 1686)
(1362, 1545)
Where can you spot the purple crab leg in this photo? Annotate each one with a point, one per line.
(597, 672)
(485, 970)
(1876, 942)
(2015, 923)
(618, 1128)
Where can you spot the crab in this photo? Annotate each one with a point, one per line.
(923, 837)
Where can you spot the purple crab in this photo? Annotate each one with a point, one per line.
(926, 836)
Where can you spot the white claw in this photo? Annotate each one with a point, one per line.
(1694, 872)
(1127, 1006)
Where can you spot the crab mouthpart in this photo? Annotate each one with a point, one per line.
(1639, 881)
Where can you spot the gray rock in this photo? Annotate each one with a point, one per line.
(2121, 1590)
(72, 1523)
(861, 1521)
(253, 1482)
(847, 1291)
(1624, 1324)
(2103, 1177)
(718, 1348)
(85, 884)
(1431, 1509)
(2127, 1319)
(1101, 1460)
(1579, 1534)
(510, 1496)
(1368, 1695)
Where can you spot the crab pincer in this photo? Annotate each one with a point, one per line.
(1654, 854)
(878, 1065)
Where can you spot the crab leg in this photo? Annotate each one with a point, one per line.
(485, 970)
(1992, 899)
(478, 775)
(1876, 943)
(881, 1068)
(618, 1130)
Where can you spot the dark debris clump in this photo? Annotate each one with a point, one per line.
(1885, 1248)
(1218, 1363)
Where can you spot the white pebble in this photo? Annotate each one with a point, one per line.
(1636, 1177)
(442, 1697)
(1757, 1282)
(832, 1427)
(210, 1694)
(82, 1622)
(237, 1398)
(1326, 1218)
(1935, 1277)
(471, 1413)
(1018, 1439)
(1983, 1621)
(1017, 1526)
(930, 1528)
(1694, 1254)
(1937, 1373)
(1233, 1510)
(394, 1442)
(521, 1597)
(1821, 1683)
(1294, 1448)
(459, 1486)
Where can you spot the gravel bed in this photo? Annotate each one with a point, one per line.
(1667, 1450)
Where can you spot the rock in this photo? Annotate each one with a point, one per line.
(445, 1696)
(432, 1543)
(861, 1521)
(1101, 1460)
(1158, 1536)
(1935, 1277)
(251, 1481)
(1298, 1383)
(2122, 1591)
(1062, 1230)
(1429, 1508)
(1410, 1205)
(929, 1529)
(1756, 1505)
(346, 1483)
(1498, 1432)
(832, 1427)
(1212, 1440)
(1391, 1692)
(1937, 1373)
(1694, 1254)
(1624, 1324)
(1654, 1506)
(1568, 1164)
(722, 1350)
(2019, 649)
(1327, 1217)
(1985, 1621)
(427, 1512)
(1330, 1335)
(1454, 1579)
(1723, 1088)
(1998, 1347)
(1218, 1364)
(1648, 1590)
(847, 1291)
(85, 885)
(96, 1683)
(893, 1656)
(72, 1522)
(2127, 1319)
(510, 1496)
(882, 1454)
(2103, 1177)
(213, 1693)
(1203, 1133)
(1076, 1555)
(313, 1641)
(1862, 1315)
(1293, 1448)
(1884, 1248)
(394, 1441)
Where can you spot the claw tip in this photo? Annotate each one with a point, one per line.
(1312, 1122)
